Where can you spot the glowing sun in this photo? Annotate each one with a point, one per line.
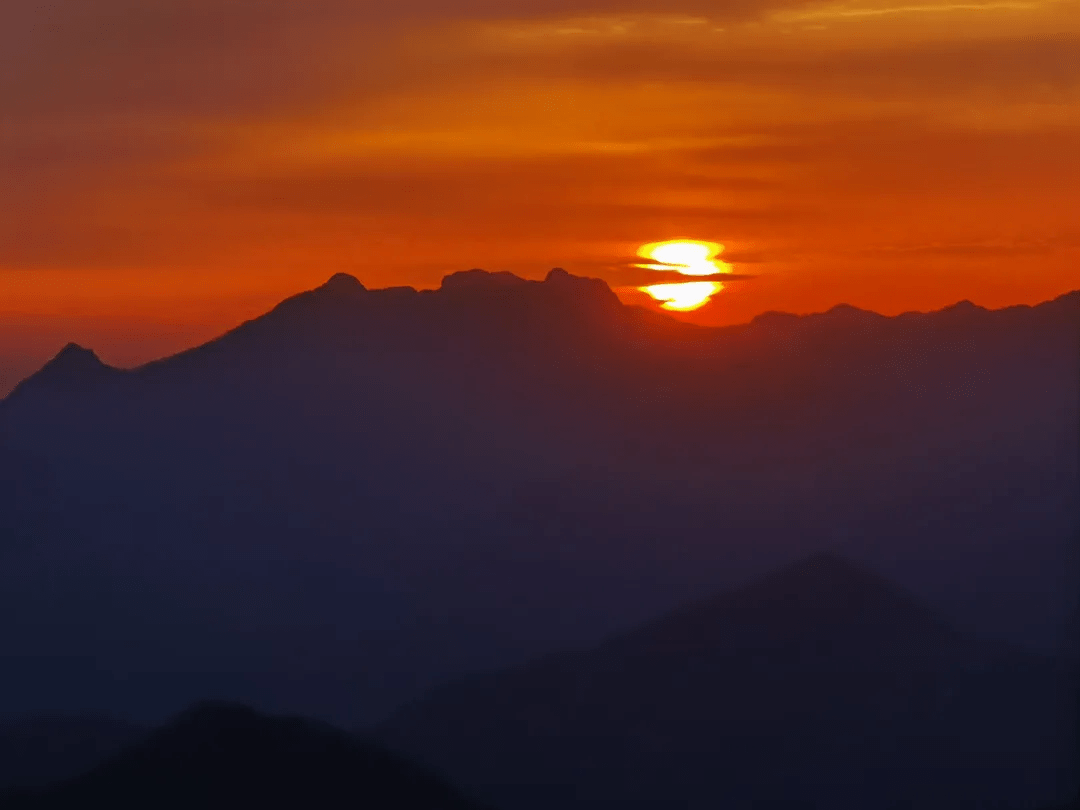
(690, 258)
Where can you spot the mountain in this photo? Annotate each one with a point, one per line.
(227, 756)
(340, 504)
(38, 750)
(822, 685)
(72, 370)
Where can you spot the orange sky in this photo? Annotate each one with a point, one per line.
(172, 168)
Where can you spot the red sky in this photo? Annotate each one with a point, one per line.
(172, 168)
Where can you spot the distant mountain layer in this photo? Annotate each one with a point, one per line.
(222, 756)
(339, 504)
(820, 686)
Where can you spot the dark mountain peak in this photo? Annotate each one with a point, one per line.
(73, 368)
(341, 295)
(558, 286)
(816, 676)
(582, 287)
(825, 568)
(481, 279)
(826, 583)
(74, 350)
(852, 314)
(557, 277)
(340, 287)
(821, 596)
(343, 282)
(211, 712)
(964, 306)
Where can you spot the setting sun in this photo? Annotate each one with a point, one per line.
(683, 297)
(690, 258)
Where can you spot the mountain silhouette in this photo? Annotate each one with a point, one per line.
(72, 370)
(225, 756)
(341, 503)
(38, 750)
(822, 685)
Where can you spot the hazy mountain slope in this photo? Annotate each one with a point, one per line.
(38, 750)
(820, 684)
(220, 756)
(340, 503)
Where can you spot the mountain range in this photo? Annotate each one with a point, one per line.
(821, 685)
(342, 503)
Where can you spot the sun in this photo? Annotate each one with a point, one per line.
(683, 296)
(690, 258)
(685, 256)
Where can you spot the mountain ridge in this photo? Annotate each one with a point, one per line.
(711, 706)
(417, 484)
(75, 367)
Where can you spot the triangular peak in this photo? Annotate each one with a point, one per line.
(73, 352)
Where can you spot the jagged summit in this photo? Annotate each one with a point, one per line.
(558, 285)
(593, 290)
(477, 278)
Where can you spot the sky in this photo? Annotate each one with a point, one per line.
(171, 168)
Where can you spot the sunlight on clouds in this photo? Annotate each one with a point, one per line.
(994, 18)
(577, 30)
(925, 9)
(864, 122)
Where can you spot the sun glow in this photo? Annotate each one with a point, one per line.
(683, 297)
(690, 258)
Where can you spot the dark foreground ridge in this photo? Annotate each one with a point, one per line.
(38, 750)
(219, 755)
(822, 685)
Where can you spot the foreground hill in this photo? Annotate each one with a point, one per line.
(821, 686)
(38, 750)
(223, 756)
(341, 503)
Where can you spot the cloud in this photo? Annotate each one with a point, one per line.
(637, 277)
(272, 137)
(979, 250)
